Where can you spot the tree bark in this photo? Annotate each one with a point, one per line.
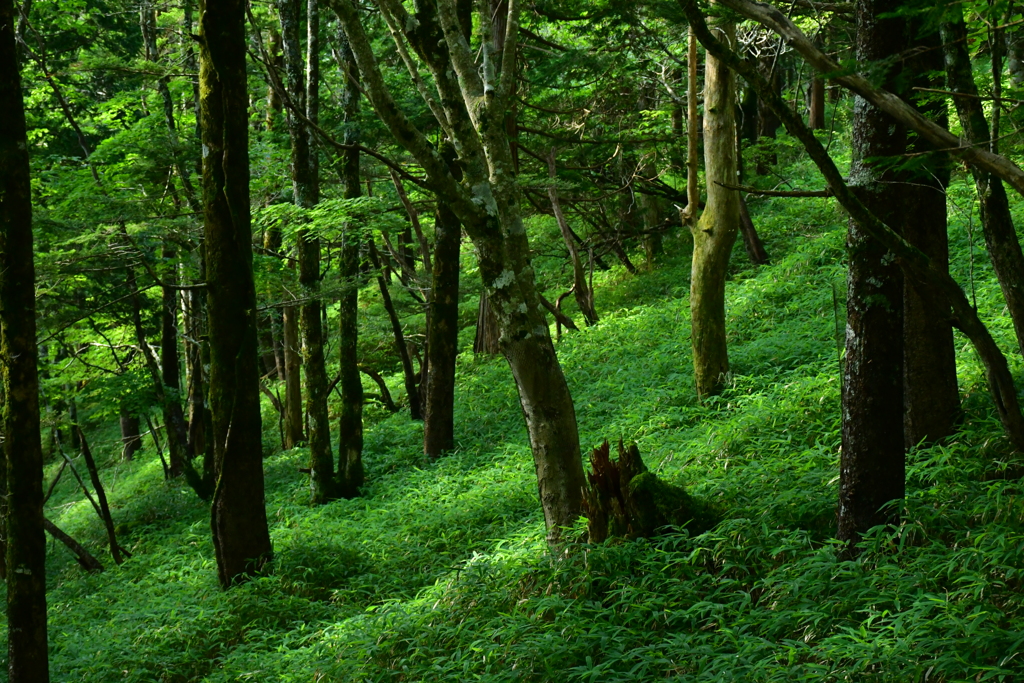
(872, 466)
(931, 398)
(129, 435)
(238, 514)
(997, 223)
(716, 230)
(442, 335)
(350, 423)
(408, 374)
(21, 473)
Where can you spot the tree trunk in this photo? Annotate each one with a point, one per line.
(21, 474)
(716, 230)
(350, 424)
(872, 465)
(997, 223)
(930, 395)
(411, 388)
(129, 435)
(170, 366)
(580, 287)
(443, 335)
(293, 433)
(305, 184)
(116, 551)
(692, 209)
(238, 515)
(816, 110)
(486, 339)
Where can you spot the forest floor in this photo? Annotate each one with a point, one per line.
(440, 572)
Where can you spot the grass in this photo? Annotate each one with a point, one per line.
(440, 571)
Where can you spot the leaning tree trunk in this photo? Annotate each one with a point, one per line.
(997, 223)
(241, 537)
(350, 423)
(716, 231)
(21, 473)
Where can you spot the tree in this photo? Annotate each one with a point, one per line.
(304, 95)
(350, 422)
(238, 514)
(471, 105)
(22, 471)
(716, 230)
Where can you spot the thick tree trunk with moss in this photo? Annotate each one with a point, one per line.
(241, 537)
(305, 185)
(22, 468)
(716, 230)
(350, 423)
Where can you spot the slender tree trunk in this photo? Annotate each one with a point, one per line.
(174, 418)
(293, 432)
(872, 465)
(116, 551)
(241, 537)
(716, 231)
(997, 223)
(396, 327)
(350, 423)
(442, 335)
(767, 121)
(581, 288)
(170, 366)
(305, 184)
(692, 209)
(21, 473)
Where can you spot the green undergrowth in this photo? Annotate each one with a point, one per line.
(440, 571)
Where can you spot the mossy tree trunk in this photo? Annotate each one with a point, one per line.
(21, 473)
(350, 423)
(716, 230)
(473, 102)
(238, 514)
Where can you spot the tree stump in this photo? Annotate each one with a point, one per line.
(624, 499)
